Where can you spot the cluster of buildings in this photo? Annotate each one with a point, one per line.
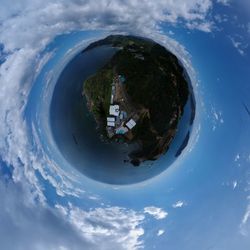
(118, 122)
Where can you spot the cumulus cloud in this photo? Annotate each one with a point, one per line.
(18, 19)
(105, 227)
(28, 226)
(156, 212)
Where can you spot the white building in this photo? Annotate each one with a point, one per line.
(131, 123)
(114, 110)
(111, 124)
(110, 119)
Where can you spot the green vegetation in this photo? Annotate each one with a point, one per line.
(97, 89)
(151, 84)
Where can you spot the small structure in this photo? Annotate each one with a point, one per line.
(110, 119)
(114, 110)
(111, 124)
(131, 123)
(123, 115)
(121, 130)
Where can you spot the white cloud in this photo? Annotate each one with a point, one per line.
(17, 21)
(105, 227)
(235, 183)
(237, 158)
(160, 232)
(195, 138)
(224, 2)
(178, 204)
(216, 118)
(245, 223)
(204, 26)
(239, 44)
(221, 18)
(156, 212)
(27, 225)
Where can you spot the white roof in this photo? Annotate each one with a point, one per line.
(114, 110)
(111, 124)
(111, 119)
(131, 123)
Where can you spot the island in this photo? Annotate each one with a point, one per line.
(138, 96)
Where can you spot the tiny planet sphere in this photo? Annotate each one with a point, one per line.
(122, 110)
(137, 97)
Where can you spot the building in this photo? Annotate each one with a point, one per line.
(111, 121)
(114, 110)
(131, 123)
(111, 124)
(123, 115)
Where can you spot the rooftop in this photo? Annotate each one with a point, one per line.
(114, 110)
(131, 123)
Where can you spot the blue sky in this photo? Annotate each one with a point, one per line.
(201, 202)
